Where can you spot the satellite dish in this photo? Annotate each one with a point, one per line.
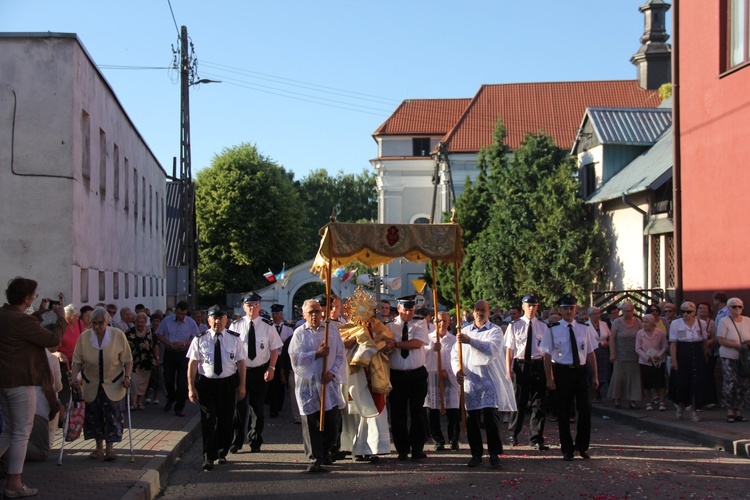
(364, 280)
(392, 283)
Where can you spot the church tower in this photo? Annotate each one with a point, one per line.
(654, 58)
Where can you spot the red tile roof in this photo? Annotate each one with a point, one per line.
(423, 117)
(553, 107)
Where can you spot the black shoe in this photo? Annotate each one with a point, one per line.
(418, 456)
(568, 457)
(208, 464)
(340, 455)
(273, 414)
(168, 406)
(403, 456)
(255, 448)
(584, 455)
(454, 445)
(514, 440)
(327, 460)
(373, 459)
(495, 462)
(234, 449)
(475, 462)
(361, 458)
(179, 413)
(439, 447)
(540, 446)
(222, 460)
(315, 467)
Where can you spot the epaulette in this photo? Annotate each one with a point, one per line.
(201, 334)
(515, 321)
(387, 321)
(230, 332)
(266, 321)
(554, 324)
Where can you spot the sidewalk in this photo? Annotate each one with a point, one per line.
(158, 439)
(713, 431)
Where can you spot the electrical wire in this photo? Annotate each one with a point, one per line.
(173, 18)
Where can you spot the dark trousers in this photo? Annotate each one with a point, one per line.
(252, 403)
(276, 395)
(530, 385)
(318, 444)
(216, 398)
(175, 378)
(491, 428)
(572, 383)
(407, 402)
(454, 425)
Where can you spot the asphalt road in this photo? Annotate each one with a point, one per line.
(625, 463)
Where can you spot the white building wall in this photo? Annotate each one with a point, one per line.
(69, 229)
(627, 264)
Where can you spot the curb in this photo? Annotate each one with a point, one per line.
(738, 447)
(155, 473)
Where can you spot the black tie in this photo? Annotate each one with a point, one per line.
(217, 356)
(251, 352)
(574, 347)
(529, 340)
(404, 338)
(278, 329)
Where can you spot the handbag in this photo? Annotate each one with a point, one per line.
(743, 369)
(76, 413)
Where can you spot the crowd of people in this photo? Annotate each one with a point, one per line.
(356, 378)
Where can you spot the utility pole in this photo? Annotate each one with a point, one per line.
(187, 189)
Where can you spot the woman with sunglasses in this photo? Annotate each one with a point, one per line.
(733, 337)
(626, 375)
(688, 380)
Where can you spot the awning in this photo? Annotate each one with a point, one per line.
(659, 226)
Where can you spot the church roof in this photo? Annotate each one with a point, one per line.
(552, 107)
(423, 117)
(626, 126)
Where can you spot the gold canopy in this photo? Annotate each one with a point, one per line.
(377, 244)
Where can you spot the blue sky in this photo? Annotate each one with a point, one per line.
(308, 81)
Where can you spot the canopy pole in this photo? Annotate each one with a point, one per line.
(325, 340)
(460, 349)
(441, 385)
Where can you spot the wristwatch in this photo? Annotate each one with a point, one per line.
(272, 368)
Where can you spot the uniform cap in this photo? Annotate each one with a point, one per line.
(567, 300)
(277, 308)
(251, 297)
(407, 301)
(530, 299)
(216, 312)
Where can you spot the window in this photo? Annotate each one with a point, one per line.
(420, 146)
(738, 32)
(85, 147)
(589, 180)
(143, 195)
(116, 176)
(102, 286)
(135, 194)
(127, 285)
(126, 176)
(116, 285)
(150, 209)
(144, 287)
(102, 164)
(84, 285)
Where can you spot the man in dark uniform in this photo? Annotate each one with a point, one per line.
(568, 347)
(262, 343)
(409, 380)
(525, 367)
(216, 379)
(277, 386)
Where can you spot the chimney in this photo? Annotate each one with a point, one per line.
(654, 59)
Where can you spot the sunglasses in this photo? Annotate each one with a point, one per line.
(736, 307)
(684, 311)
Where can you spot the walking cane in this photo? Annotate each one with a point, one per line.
(130, 428)
(66, 421)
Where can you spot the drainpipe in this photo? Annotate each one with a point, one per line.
(677, 165)
(645, 237)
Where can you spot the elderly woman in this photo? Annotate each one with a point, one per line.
(64, 353)
(600, 331)
(688, 380)
(626, 376)
(23, 367)
(103, 359)
(651, 346)
(156, 381)
(451, 395)
(145, 351)
(734, 336)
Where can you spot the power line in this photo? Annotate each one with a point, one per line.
(119, 66)
(173, 18)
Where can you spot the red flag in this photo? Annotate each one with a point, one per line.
(270, 277)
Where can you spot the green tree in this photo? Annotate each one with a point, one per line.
(352, 196)
(249, 218)
(540, 236)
